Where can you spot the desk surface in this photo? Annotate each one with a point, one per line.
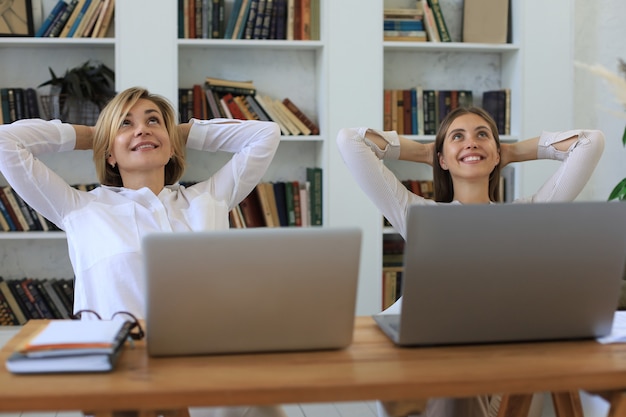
(371, 368)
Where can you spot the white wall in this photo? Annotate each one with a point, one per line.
(599, 39)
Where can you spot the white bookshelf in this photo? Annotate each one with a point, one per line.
(338, 80)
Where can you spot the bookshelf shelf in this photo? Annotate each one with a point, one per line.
(8, 236)
(450, 47)
(56, 42)
(250, 44)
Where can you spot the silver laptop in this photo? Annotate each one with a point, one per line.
(512, 272)
(251, 290)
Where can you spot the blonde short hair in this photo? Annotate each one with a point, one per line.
(109, 122)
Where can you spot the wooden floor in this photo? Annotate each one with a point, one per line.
(593, 406)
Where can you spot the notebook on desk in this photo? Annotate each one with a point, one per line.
(509, 272)
(251, 290)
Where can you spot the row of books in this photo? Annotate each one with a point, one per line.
(18, 103)
(31, 298)
(249, 19)
(282, 204)
(78, 19)
(240, 100)
(17, 216)
(418, 111)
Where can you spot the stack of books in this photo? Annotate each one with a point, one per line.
(404, 25)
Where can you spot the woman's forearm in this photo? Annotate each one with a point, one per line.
(84, 137)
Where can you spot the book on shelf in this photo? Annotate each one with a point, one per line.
(7, 318)
(251, 18)
(477, 12)
(87, 20)
(266, 24)
(442, 28)
(56, 11)
(430, 24)
(12, 302)
(107, 18)
(391, 286)
(252, 211)
(280, 195)
(496, 103)
(265, 203)
(234, 109)
(314, 178)
(78, 14)
(242, 17)
(59, 21)
(71, 346)
(284, 110)
(310, 124)
(9, 197)
(304, 204)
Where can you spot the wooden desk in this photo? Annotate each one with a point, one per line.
(372, 368)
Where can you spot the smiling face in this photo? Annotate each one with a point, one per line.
(469, 148)
(142, 143)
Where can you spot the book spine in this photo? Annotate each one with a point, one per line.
(312, 126)
(7, 318)
(56, 300)
(267, 19)
(442, 28)
(15, 209)
(56, 10)
(297, 206)
(257, 109)
(106, 21)
(54, 312)
(58, 24)
(314, 176)
(26, 211)
(65, 292)
(13, 303)
(29, 307)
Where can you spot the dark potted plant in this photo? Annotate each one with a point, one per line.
(80, 94)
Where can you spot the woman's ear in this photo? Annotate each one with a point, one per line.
(442, 161)
(110, 160)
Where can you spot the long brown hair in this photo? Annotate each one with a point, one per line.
(442, 180)
(109, 122)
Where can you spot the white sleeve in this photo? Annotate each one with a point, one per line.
(253, 144)
(578, 163)
(40, 187)
(364, 161)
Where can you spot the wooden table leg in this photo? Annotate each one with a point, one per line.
(567, 404)
(617, 403)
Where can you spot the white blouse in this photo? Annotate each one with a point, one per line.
(104, 227)
(364, 160)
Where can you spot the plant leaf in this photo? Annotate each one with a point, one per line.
(624, 137)
(619, 192)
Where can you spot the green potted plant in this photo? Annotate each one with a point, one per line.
(80, 94)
